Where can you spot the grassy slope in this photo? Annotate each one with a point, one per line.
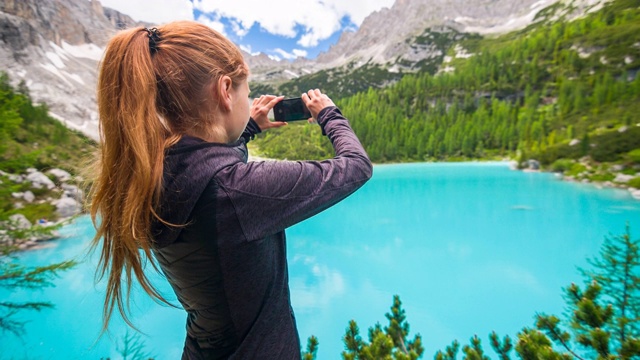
(30, 138)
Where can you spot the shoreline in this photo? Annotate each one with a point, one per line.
(43, 240)
(610, 184)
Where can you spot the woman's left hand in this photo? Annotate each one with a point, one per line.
(260, 109)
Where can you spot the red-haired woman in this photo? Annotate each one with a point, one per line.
(173, 184)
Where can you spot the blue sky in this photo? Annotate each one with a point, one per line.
(282, 29)
(257, 39)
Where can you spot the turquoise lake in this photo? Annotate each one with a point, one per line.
(469, 247)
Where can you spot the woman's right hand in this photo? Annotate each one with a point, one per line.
(260, 108)
(315, 101)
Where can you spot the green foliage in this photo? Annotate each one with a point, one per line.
(605, 315)
(297, 141)
(602, 177)
(258, 89)
(10, 118)
(341, 82)
(14, 276)
(617, 272)
(389, 343)
(561, 165)
(474, 350)
(133, 348)
(34, 212)
(634, 156)
(635, 182)
(534, 345)
(312, 349)
(30, 138)
(576, 169)
(502, 348)
(533, 91)
(450, 353)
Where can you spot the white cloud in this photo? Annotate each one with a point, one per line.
(292, 55)
(319, 19)
(284, 54)
(214, 24)
(247, 48)
(157, 11)
(239, 29)
(299, 52)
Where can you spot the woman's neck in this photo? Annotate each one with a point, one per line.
(211, 134)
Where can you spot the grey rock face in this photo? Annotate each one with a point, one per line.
(67, 207)
(54, 47)
(19, 221)
(61, 175)
(39, 180)
(28, 196)
(73, 192)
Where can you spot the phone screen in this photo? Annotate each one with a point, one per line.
(291, 110)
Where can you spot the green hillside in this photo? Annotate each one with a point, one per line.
(351, 79)
(531, 92)
(29, 138)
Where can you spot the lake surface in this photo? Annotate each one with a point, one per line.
(470, 248)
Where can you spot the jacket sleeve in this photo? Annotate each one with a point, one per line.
(269, 196)
(250, 131)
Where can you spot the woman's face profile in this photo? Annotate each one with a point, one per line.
(240, 110)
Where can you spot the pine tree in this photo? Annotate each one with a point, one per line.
(312, 349)
(13, 276)
(502, 348)
(605, 317)
(617, 271)
(450, 353)
(474, 351)
(388, 343)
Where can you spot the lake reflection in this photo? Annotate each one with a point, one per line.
(470, 248)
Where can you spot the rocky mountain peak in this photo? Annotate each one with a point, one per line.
(382, 36)
(54, 48)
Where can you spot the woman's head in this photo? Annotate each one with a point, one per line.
(178, 65)
(154, 86)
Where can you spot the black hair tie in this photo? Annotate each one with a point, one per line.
(154, 38)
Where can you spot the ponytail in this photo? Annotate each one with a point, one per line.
(131, 159)
(153, 87)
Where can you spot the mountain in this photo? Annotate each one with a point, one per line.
(563, 91)
(388, 37)
(382, 36)
(53, 48)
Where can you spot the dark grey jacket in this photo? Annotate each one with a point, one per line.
(227, 264)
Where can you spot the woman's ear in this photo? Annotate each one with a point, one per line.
(225, 94)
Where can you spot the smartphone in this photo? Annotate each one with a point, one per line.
(291, 110)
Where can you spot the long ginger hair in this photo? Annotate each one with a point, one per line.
(148, 97)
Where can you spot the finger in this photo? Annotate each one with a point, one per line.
(273, 101)
(267, 98)
(278, 123)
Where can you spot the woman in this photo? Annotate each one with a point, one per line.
(173, 184)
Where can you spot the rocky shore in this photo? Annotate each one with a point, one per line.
(585, 170)
(54, 189)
